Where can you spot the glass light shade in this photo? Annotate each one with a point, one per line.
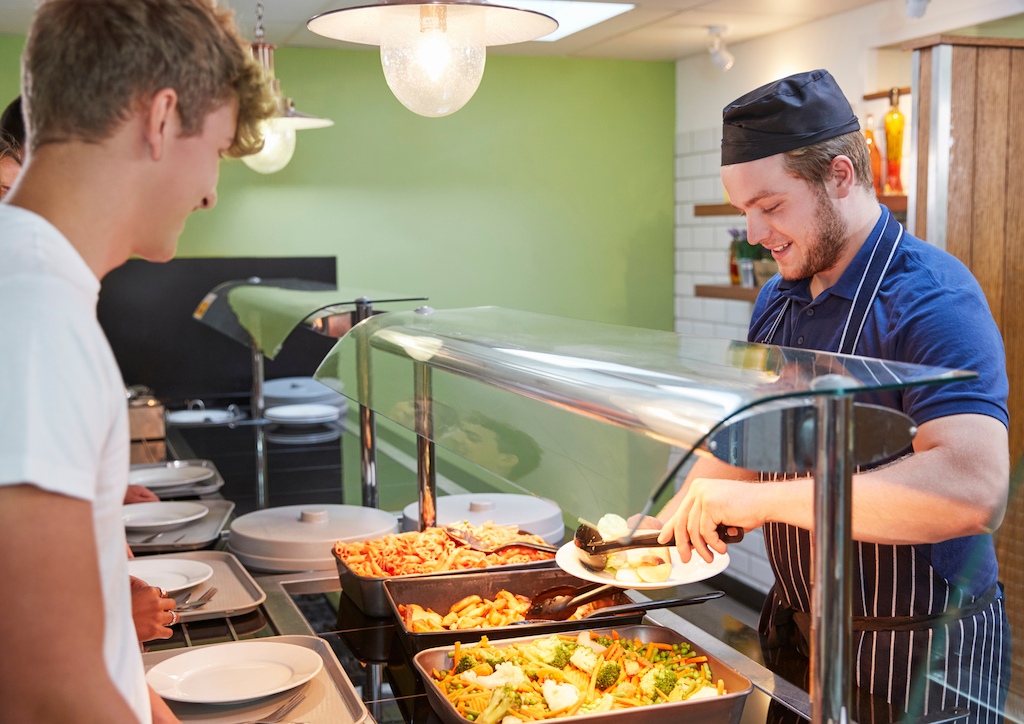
(433, 55)
(278, 148)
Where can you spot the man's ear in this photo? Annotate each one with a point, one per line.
(161, 116)
(843, 175)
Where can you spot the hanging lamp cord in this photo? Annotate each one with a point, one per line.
(259, 22)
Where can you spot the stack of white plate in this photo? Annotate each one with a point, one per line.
(301, 391)
(177, 478)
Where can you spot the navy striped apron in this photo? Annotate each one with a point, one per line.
(920, 644)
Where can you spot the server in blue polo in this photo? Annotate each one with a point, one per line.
(929, 629)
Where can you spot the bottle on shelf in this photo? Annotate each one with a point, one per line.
(876, 155)
(894, 121)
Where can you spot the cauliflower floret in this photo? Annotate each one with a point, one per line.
(625, 688)
(584, 640)
(559, 696)
(599, 705)
(612, 526)
(646, 682)
(509, 719)
(583, 659)
(506, 673)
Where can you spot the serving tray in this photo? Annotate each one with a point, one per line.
(198, 534)
(726, 709)
(237, 591)
(441, 592)
(330, 696)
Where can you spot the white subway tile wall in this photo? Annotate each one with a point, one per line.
(702, 257)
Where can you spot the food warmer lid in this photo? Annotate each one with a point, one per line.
(532, 514)
(302, 537)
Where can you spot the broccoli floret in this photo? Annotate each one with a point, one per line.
(531, 671)
(608, 675)
(466, 663)
(560, 658)
(493, 658)
(501, 699)
(665, 681)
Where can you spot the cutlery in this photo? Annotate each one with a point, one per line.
(592, 550)
(151, 538)
(473, 543)
(278, 714)
(182, 599)
(199, 602)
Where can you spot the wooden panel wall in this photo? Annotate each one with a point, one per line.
(985, 230)
(923, 121)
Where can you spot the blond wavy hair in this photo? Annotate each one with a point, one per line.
(88, 64)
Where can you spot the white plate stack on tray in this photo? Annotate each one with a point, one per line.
(302, 401)
(174, 575)
(161, 516)
(178, 478)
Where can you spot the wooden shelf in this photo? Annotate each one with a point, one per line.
(715, 210)
(742, 294)
(905, 91)
(895, 203)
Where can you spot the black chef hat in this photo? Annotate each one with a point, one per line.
(790, 113)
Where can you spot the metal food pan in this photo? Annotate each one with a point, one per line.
(725, 709)
(440, 593)
(367, 592)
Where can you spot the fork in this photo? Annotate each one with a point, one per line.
(278, 714)
(199, 602)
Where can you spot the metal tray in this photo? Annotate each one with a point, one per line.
(191, 537)
(330, 696)
(725, 709)
(441, 592)
(237, 592)
(368, 592)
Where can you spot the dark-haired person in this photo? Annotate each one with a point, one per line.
(129, 106)
(852, 280)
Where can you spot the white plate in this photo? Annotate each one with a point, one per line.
(169, 477)
(696, 570)
(230, 673)
(160, 516)
(302, 414)
(193, 417)
(170, 574)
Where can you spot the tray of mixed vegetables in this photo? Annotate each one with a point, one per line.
(609, 674)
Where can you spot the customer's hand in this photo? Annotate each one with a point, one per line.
(140, 494)
(152, 612)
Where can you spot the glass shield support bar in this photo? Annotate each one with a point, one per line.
(832, 567)
(258, 405)
(425, 460)
(367, 419)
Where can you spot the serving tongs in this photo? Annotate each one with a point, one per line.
(560, 602)
(469, 540)
(592, 550)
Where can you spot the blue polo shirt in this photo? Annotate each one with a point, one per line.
(929, 310)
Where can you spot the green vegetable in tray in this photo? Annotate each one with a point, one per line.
(498, 705)
(608, 675)
(466, 662)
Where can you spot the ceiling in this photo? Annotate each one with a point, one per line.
(654, 30)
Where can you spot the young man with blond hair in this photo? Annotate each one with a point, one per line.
(129, 105)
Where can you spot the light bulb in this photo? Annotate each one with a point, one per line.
(433, 55)
(278, 147)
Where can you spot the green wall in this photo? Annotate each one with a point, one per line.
(551, 190)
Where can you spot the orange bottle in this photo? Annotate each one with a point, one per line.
(894, 143)
(876, 156)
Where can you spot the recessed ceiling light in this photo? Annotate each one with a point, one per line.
(572, 16)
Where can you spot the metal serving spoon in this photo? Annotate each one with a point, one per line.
(555, 604)
(472, 542)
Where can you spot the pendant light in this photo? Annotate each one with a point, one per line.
(433, 53)
(279, 131)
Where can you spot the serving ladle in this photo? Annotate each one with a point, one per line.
(560, 602)
(592, 550)
(473, 543)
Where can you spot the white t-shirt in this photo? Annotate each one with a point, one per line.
(63, 414)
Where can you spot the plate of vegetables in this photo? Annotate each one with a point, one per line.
(633, 671)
